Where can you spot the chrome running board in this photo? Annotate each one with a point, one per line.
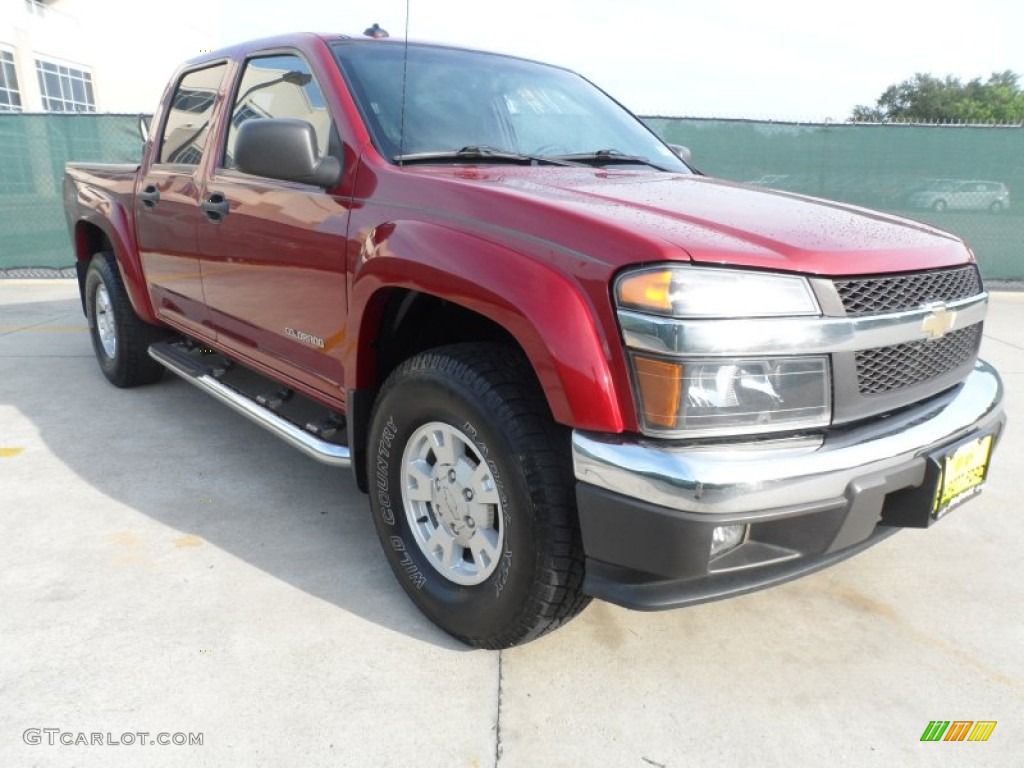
(179, 362)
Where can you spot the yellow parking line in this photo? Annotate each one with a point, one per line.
(7, 453)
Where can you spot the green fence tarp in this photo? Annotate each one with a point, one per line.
(966, 179)
(33, 150)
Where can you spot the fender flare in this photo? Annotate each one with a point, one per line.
(106, 213)
(543, 308)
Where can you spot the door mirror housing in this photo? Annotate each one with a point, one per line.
(286, 149)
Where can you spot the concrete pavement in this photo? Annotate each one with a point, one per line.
(167, 567)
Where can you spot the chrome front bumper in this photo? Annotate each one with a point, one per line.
(648, 508)
(757, 477)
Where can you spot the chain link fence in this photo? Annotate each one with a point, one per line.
(966, 179)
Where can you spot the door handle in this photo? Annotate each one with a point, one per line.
(150, 196)
(215, 206)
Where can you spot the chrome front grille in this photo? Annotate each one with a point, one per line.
(885, 369)
(876, 295)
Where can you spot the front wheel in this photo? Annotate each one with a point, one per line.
(473, 497)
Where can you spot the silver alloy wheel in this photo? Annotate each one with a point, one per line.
(452, 504)
(105, 322)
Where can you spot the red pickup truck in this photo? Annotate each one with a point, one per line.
(562, 363)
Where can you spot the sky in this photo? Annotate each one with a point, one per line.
(779, 60)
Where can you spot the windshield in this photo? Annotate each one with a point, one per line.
(456, 99)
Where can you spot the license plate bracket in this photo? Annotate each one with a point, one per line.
(963, 470)
(953, 475)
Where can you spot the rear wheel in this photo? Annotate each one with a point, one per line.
(119, 338)
(996, 207)
(473, 496)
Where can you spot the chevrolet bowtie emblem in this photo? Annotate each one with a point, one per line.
(938, 322)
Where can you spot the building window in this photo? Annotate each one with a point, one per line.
(243, 113)
(197, 102)
(10, 96)
(64, 88)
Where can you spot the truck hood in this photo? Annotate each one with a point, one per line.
(707, 220)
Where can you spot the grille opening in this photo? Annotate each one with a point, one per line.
(885, 369)
(891, 293)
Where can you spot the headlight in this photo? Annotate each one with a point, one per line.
(729, 397)
(698, 292)
(679, 395)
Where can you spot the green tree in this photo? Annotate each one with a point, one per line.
(929, 99)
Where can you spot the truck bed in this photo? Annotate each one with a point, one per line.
(88, 185)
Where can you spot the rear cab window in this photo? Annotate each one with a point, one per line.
(189, 117)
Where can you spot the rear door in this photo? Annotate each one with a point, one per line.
(273, 252)
(167, 199)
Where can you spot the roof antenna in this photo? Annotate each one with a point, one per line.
(405, 69)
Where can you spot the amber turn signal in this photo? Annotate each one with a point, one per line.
(647, 290)
(661, 388)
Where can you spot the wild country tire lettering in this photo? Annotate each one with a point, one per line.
(383, 454)
(408, 565)
(387, 514)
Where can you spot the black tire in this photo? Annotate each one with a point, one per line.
(126, 363)
(996, 207)
(490, 395)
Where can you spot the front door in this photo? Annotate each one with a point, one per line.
(273, 252)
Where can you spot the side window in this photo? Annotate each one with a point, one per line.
(188, 121)
(278, 86)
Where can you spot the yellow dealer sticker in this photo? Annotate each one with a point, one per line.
(961, 474)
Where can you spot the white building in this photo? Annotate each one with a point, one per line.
(95, 55)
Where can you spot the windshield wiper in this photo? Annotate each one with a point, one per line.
(607, 157)
(476, 154)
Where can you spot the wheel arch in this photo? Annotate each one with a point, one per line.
(474, 290)
(108, 228)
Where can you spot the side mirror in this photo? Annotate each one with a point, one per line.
(286, 149)
(684, 153)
